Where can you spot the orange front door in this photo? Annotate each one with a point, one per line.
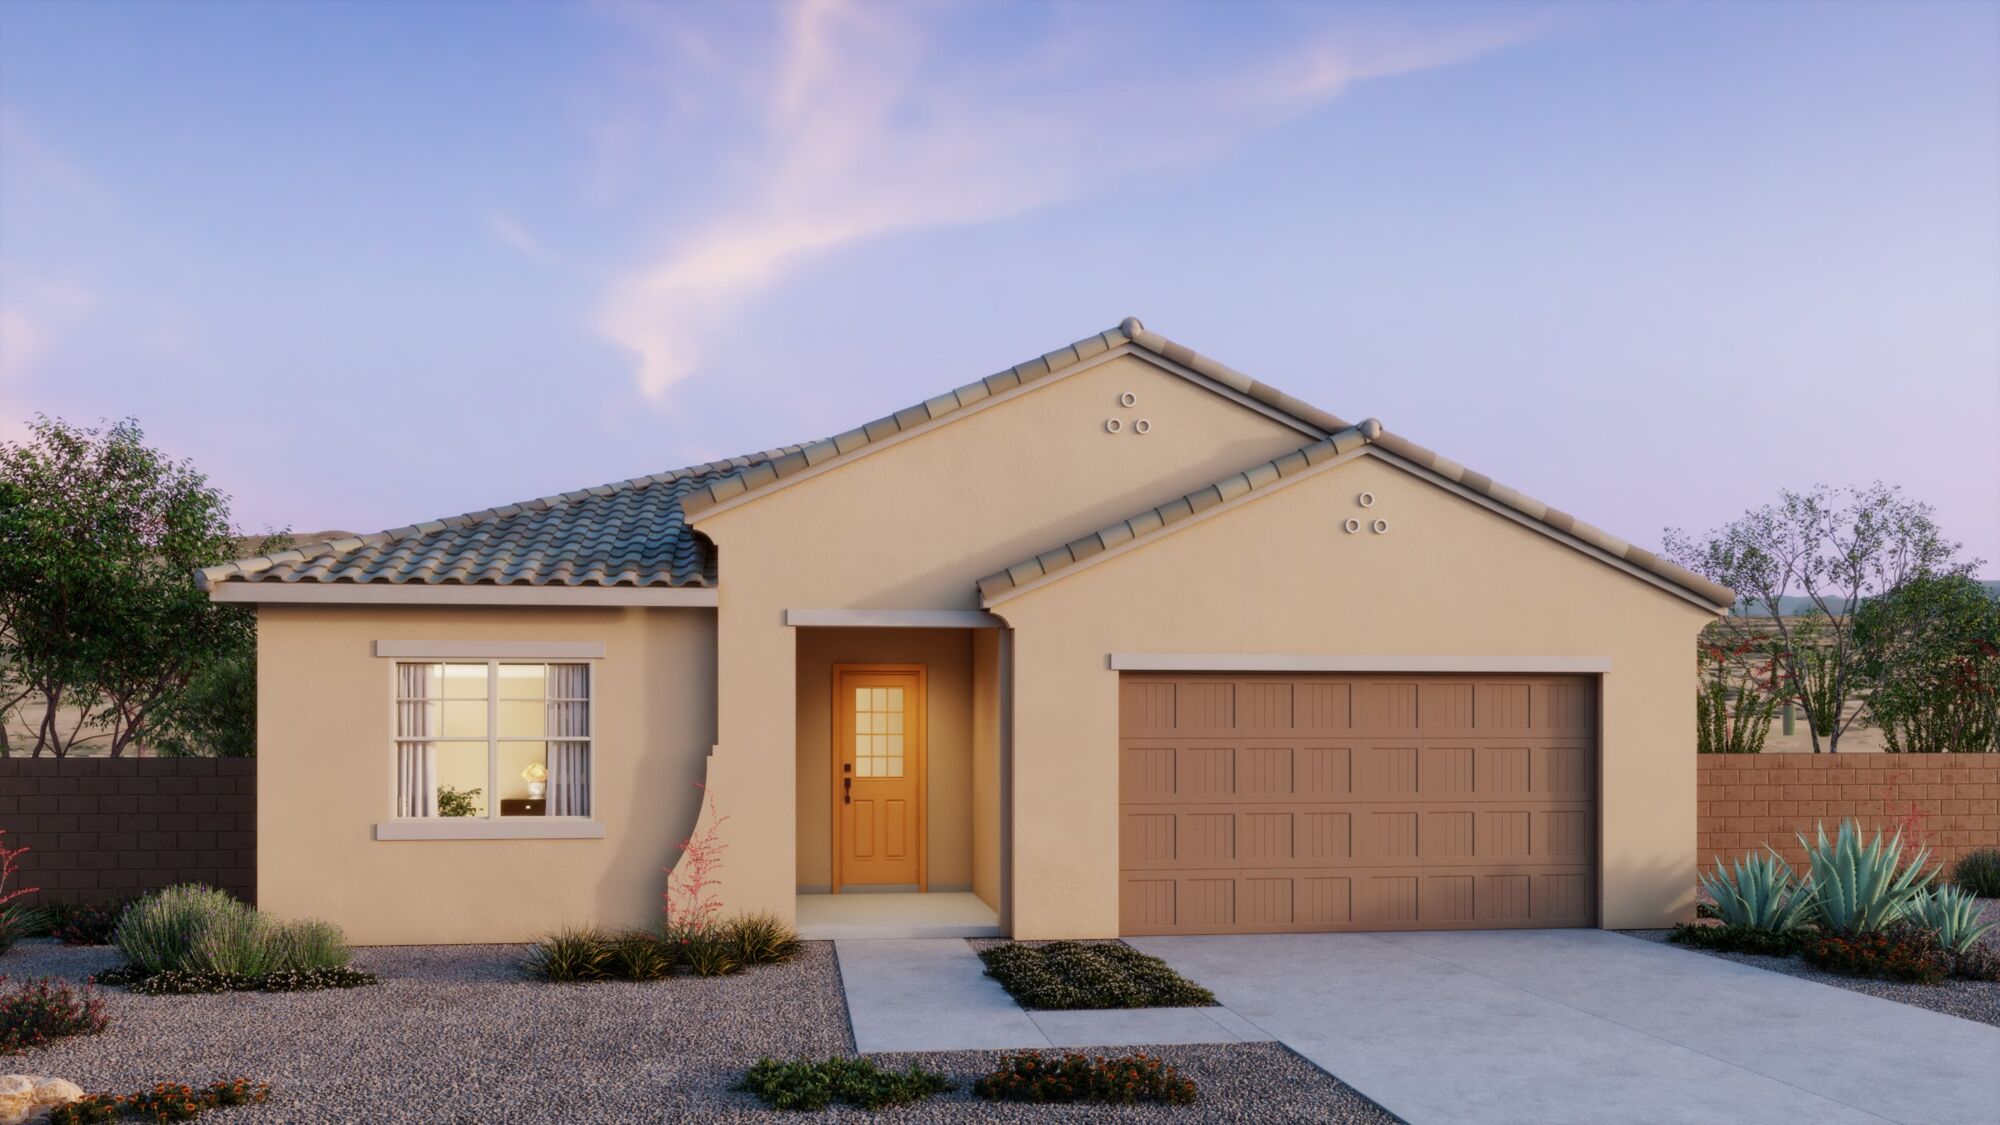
(878, 776)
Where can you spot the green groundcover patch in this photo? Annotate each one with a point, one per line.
(1070, 975)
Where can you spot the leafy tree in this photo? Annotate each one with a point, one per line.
(1931, 650)
(1834, 548)
(98, 535)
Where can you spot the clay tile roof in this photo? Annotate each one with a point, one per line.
(632, 533)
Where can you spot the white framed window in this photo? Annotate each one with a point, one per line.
(493, 740)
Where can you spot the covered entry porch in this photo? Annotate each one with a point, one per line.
(901, 751)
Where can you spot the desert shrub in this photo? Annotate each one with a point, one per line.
(1732, 938)
(1758, 892)
(85, 923)
(1950, 913)
(761, 939)
(198, 939)
(42, 1010)
(1978, 871)
(1125, 1080)
(1859, 887)
(1899, 952)
(570, 956)
(1724, 729)
(805, 1085)
(1064, 975)
(639, 955)
(1978, 961)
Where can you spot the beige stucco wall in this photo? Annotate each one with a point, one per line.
(914, 526)
(1279, 575)
(986, 766)
(325, 776)
(947, 657)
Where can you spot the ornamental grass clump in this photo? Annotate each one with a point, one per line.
(1861, 887)
(807, 1085)
(1125, 1080)
(192, 938)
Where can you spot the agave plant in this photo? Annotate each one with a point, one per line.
(1758, 891)
(1862, 887)
(1952, 913)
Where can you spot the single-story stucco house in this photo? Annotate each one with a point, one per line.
(1116, 641)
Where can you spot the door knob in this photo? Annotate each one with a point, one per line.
(846, 790)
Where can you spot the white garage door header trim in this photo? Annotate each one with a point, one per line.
(1329, 662)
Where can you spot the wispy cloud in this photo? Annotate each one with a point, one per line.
(35, 315)
(862, 121)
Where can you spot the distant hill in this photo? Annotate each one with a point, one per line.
(1792, 607)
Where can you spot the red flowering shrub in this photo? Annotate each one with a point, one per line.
(41, 1010)
(1901, 953)
(1126, 1080)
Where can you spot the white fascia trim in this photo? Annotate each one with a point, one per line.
(1161, 533)
(1533, 524)
(1008, 395)
(476, 828)
(1317, 662)
(492, 650)
(413, 593)
(894, 618)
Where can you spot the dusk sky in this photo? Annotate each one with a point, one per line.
(369, 264)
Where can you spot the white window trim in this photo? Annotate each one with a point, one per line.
(560, 652)
(463, 827)
(509, 828)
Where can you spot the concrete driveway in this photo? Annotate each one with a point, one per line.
(1584, 1026)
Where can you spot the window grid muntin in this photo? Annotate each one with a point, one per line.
(492, 739)
(881, 716)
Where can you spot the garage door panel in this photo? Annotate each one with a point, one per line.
(1282, 901)
(1217, 835)
(1445, 802)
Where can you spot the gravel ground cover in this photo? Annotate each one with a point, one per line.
(455, 1034)
(1968, 999)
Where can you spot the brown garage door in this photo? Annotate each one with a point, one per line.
(1333, 802)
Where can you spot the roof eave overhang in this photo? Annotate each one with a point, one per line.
(458, 594)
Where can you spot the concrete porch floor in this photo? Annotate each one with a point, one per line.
(948, 914)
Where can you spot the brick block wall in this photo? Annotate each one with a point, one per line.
(1749, 800)
(104, 828)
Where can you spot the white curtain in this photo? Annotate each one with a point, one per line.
(568, 692)
(416, 762)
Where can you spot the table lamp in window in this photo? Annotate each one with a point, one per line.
(537, 776)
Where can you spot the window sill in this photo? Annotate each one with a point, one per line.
(474, 828)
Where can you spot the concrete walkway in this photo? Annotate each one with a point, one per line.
(1585, 1026)
(930, 994)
